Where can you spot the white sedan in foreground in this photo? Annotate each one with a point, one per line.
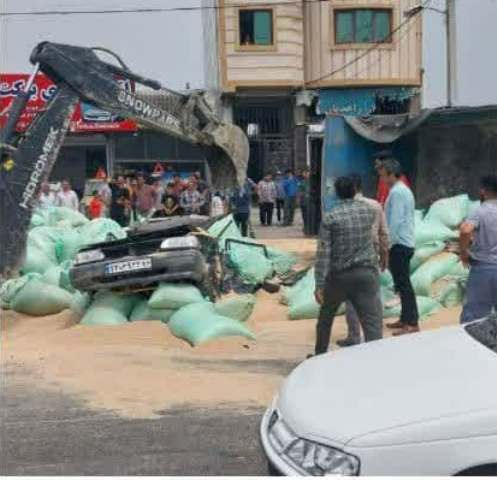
(422, 404)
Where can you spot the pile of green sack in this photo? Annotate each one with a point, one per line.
(55, 236)
(182, 307)
(252, 261)
(438, 277)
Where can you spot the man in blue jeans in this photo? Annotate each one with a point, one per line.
(478, 244)
(291, 188)
(399, 210)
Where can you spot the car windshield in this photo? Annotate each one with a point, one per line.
(485, 332)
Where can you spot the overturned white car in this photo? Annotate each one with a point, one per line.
(423, 404)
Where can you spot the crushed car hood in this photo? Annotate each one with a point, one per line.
(355, 394)
(158, 228)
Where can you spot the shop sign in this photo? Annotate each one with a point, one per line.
(86, 118)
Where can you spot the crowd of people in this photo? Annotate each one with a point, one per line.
(124, 198)
(361, 237)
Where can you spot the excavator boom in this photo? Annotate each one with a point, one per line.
(80, 75)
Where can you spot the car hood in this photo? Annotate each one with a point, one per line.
(393, 384)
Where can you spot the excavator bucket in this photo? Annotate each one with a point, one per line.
(230, 167)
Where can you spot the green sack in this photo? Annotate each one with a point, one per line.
(424, 252)
(143, 312)
(433, 231)
(47, 240)
(282, 261)
(36, 261)
(450, 212)
(239, 308)
(174, 295)
(52, 276)
(306, 308)
(101, 230)
(303, 307)
(65, 279)
(80, 302)
(452, 295)
(66, 216)
(386, 279)
(109, 308)
(68, 245)
(199, 322)
(224, 229)
(432, 270)
(418, 216)
(9, 288)
(426, 306)
(250, 263)
(37, 298)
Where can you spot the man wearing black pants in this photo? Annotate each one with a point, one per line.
(347, 266)
(267, 193)
(399, 210)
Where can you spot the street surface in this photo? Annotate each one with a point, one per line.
(133, 399)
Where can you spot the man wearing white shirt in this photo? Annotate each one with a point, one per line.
(67, 197)
(46, 198)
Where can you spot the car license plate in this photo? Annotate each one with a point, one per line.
(128, 266)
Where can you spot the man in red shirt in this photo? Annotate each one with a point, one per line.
(382, 189)
(96, 206)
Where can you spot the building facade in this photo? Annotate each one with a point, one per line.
(289, 73)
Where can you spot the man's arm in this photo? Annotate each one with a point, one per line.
(383, 239)
(465, 239)
(322, 259)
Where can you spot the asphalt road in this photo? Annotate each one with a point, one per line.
(52, 434)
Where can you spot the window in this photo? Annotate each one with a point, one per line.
(256, 27)
(363, 26)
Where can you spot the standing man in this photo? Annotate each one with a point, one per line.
(382, 189)
(240, 205)
(399, 210)
(304, 199)
(191, 201)
(46, 198)
(381, 242)
(145, 196)
(67, 197)
(347, 266)
(267, 192)
(290, 186)
(120, 203)
(280, 197)
(478, 242)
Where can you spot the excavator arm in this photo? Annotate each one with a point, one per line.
(80, 75)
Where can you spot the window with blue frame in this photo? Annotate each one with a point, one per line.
(363, 25)
(256, 27)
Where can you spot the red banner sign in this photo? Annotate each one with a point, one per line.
(86, 118)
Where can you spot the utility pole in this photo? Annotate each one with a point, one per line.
(450, 18)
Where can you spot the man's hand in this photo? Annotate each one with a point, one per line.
(465, 258)
(383, 262)
(318, 295)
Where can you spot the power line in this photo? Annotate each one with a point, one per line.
(154, 10)
(374, 47)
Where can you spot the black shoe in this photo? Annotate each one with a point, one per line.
(311, 355)
(347, 342)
